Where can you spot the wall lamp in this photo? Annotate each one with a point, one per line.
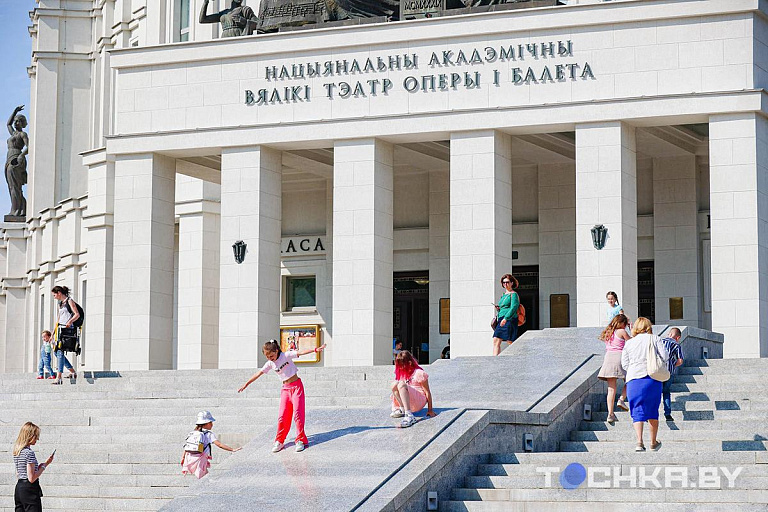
(239, 248)
(599, 234)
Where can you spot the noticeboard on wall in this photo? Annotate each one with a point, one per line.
(559, 310)
(301, 337)
(445, 316)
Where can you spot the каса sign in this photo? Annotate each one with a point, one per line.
(302, 246)
(452, 69)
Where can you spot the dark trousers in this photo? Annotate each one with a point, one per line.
(666, 395)
(27, 496)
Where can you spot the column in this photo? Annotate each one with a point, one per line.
(362, 252)
(439, 256)
(198, 209)
(606, 193)
(676, 238)
(557, 238)
(480, 233)
(142, 307)
(739, 228)
(99, 225)
(249, 296)
(14, 344)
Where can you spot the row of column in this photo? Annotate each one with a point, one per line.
(243, 299)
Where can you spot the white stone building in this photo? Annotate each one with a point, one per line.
(374, 170)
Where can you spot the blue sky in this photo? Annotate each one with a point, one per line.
(14, 59)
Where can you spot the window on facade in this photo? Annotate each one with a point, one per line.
(184, 20)
(300, 292)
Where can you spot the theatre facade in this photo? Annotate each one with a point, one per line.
(373, 182)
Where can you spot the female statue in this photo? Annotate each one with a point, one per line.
(16, 162)
(238, 20)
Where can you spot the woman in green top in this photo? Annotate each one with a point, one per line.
(506, 326)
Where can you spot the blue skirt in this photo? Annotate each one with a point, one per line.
(508, 332)
(644, 398)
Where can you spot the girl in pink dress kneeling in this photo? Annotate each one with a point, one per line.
(410, 390)
(197, 447)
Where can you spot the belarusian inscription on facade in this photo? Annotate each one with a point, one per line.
(425, 82)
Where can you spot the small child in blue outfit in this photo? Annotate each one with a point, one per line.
(45, 357)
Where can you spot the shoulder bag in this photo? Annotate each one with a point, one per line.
(656, 365)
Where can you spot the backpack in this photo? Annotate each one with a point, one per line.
(520, 313)
(196, 442)
(79, 321)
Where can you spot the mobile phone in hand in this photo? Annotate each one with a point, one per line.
(53, 453)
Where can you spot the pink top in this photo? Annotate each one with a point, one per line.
(283, 365)
(615, 344)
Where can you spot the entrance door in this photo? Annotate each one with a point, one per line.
(410, 322)
(646, 290)
(528, 278)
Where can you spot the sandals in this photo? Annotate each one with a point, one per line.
(72, 375)
(57, 382)
(655, 446)
(621, 404)
(640, 447)
(612, 419)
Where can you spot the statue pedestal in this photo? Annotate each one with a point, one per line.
(14, 218)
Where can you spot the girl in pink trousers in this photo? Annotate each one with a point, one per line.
(292, 394)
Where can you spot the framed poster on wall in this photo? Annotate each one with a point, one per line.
(301, 337)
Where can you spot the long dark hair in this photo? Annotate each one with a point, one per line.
(405, 365)
(61, 289)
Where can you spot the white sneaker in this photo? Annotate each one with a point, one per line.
(407, 421)
(300, 446)
(277, 447)
(397, 413)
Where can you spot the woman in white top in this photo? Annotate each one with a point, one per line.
(644, 393)
(66, 316)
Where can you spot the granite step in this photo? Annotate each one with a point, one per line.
(757, 415)
(572, 506)
(611, 446)
(675, 435)
(663, 456)
(625, 422)
(538, 481)
(647, 495)
(741, 404)
(529, 470)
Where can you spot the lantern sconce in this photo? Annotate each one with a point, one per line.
(599, 234)
(239, 248)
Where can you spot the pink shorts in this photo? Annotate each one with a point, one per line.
(417, 398)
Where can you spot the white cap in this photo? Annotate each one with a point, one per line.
(204, 417)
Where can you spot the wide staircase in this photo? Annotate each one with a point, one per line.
(118, 438)
(716, 445)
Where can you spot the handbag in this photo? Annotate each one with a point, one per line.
(69, 341)
(655, 364)
(494, 323)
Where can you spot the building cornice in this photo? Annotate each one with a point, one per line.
(485, 24)
(436, 125)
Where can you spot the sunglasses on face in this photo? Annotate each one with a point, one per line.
(506, 282)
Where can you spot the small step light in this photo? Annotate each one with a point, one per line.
(431, 500)
(704, 353)
(528, 442)
(587, 416)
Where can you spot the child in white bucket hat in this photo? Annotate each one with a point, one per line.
(197, 447)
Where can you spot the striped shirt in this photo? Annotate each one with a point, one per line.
(675, 353)
(25, 456)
